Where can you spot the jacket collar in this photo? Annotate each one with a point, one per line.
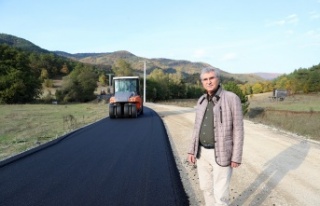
(215, 98)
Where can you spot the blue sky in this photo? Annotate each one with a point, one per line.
(245, 36)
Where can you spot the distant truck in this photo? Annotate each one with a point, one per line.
(279, 94)
(126, 100)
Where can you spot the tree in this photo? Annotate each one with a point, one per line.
(152, 93)
(267, 86)
(257, 88)
(103, 79)
(246, 89)
(65, 69)
(18, 82)
(233, 87)
(194, 91)
(122, 68)
(176, 86)
(78, 86)
(44, 74)
(282, 83)
(161, 81)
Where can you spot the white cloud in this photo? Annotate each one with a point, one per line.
(314, 15)
(229, 56)
(199, 53)
(291, 19)
(314, 33)
(289, 32)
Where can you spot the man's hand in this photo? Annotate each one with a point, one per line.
(191, 159)
(235, 164)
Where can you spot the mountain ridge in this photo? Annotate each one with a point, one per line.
(109, 58)
(20, 43)
(168, 65)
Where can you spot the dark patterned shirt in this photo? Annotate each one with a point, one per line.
(206, 130)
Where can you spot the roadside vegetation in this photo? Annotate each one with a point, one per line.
(299, 114)
(24, 126)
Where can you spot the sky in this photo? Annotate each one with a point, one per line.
(248, 36)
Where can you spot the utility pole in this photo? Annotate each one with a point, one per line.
(110, 82)
(144, 82)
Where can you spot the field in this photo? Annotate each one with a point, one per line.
(25, 126)
(299, 103)
(299, 114)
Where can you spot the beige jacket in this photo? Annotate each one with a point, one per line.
(228, 127)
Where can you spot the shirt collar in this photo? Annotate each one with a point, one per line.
(216, 94)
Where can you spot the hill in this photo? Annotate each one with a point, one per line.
(20, 43)
(268, 76)
(168, 65)
(109, 58)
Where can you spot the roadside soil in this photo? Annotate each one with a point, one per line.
(278, 168)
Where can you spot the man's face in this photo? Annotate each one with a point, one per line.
(210, 82)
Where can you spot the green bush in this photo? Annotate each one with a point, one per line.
(78, 86)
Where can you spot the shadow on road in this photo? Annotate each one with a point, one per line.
(275, 170)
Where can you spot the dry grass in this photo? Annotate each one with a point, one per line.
(301, 103)
(25, 126)
(299, 114)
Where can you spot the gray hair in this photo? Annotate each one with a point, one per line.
(210, 69)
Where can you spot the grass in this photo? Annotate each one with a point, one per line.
(299, 114)
(25, 126)
(300, 103)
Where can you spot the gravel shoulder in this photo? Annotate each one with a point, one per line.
(278, 168)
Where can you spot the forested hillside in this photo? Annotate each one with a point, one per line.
(20, 43)
(25, 69)
(303, 80)
(169, 66)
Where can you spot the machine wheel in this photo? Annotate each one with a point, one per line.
(134, 113)
(118, 108)
(126, 110)
(111, 111)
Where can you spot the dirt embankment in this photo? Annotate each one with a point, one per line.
(278, 168)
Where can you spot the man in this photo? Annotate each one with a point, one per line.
(217, 139)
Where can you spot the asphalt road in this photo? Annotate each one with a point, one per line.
(111, 162)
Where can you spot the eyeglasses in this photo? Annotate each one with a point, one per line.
(206, 79)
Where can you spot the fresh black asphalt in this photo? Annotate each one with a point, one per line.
(111, 162)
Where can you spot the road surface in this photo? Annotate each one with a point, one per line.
(111, 162)
(278, 168)
(83, 169)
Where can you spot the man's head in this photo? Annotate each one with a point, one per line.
(210, 78)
